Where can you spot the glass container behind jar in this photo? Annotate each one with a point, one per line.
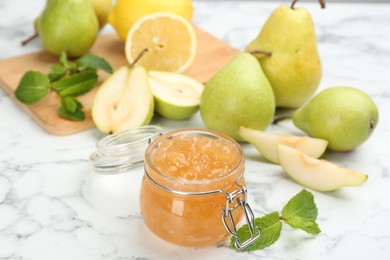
(190, 212)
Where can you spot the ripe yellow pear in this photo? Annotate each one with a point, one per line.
(102, 8)
(294, 67)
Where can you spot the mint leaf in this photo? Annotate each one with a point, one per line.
(77, 84)
(71, 109)
(71, 104)
(301, 212)
(270, 226)
(78, 115)
(32, 87)
(79, 89)
(93, 61)
(305, 224)
(57, 72)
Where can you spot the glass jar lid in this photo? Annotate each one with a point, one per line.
(123, 151)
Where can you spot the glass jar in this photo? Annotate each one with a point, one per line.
(114, 183)
(195, 212)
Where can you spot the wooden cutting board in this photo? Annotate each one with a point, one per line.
(212, 55)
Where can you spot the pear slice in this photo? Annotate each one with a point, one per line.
(176, 96)
(123, 101)
(320, 175)
(267, 144)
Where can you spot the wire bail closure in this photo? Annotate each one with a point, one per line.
(248, 213)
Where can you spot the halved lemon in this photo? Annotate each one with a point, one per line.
(169, 38)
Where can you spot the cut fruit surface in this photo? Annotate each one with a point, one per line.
(176, 96)
(320, 175)
(124, 101)
(267, 144)
(170, 39)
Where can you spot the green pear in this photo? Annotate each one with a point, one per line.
(294, 67)
(101, 8)
(176, 96)
(319, 175)
(124, 101)
(238, 95)
(69, 26)
(345, 116)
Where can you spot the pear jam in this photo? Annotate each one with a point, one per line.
(183, 169)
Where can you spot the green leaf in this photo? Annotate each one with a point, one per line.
(76, 84)
(79, 89)
(270, 227)
(71, 109)
(57, 72)
(71, 104)
(305, 224)
(93, 61)
(78, 115)
(301, 212)
(32, 87)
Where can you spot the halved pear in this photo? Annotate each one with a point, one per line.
(320, 175)
(176, 96)
(267, 144)
(123, 101)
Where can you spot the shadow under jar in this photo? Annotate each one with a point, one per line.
(193, 191)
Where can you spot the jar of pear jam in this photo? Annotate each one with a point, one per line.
(193, 192)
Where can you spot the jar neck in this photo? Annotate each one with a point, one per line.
(225, 182)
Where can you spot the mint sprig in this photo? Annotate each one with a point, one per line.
(299, 212)
(68, 79)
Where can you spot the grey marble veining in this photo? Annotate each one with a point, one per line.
(52, 205)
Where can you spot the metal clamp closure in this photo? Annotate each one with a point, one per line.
(238, 199)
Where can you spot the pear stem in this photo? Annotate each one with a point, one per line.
(32, 37)
(281, 118)
(257, 51)
(322, 3)
(139, 56)
(293, 3)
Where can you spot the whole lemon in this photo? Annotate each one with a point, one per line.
(126, 12)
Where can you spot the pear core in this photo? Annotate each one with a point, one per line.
(176, 96)
(124, 101)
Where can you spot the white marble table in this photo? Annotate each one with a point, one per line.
(50, 208)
